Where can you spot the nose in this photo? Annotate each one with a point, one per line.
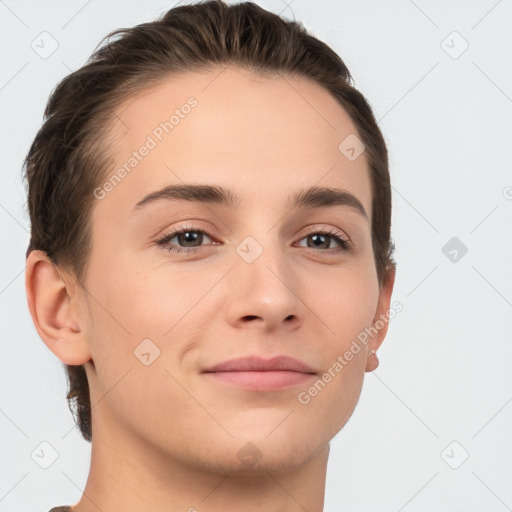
(264, 289)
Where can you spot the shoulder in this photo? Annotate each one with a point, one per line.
(61, 509)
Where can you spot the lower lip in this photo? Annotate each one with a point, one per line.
(262, 381)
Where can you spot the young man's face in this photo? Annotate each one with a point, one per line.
(262, 279)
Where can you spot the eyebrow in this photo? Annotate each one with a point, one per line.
(313, 197)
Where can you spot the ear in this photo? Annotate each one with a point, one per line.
(382, 317)
(53, 305)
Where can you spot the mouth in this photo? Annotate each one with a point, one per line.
(261, 381)
(259, 374)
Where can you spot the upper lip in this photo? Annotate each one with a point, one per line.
(257, 363)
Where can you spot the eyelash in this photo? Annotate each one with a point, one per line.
(346, 245)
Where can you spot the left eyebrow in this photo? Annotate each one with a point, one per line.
(309, 198)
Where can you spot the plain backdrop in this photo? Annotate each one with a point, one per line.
(432, 429)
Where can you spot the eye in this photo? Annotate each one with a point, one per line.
(322, 239)
(192, 237)
(184, 235)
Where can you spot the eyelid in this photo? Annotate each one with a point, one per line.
(313, 228)
(189, 226)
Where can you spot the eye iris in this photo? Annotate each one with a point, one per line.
(316, 238)
(182, 237)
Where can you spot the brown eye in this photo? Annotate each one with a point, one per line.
(323, 239)
(188, 239)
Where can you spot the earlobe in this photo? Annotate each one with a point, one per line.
(381, 320)
(372, 362)
(52, 305)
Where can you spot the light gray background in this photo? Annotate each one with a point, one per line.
(444, 371)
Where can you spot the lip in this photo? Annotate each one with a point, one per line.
(261, 381)
(260, 364)
(258, 374)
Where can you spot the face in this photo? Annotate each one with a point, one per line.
(258, 276)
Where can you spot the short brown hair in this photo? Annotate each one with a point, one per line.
(67, 161)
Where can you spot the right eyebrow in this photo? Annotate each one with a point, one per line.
(197, 193)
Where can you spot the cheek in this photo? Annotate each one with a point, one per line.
(149, 401)
(149, 303)
(347, 308)
(327, 404)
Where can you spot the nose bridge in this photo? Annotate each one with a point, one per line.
(263, 263)
(261, 253)
(261, 246)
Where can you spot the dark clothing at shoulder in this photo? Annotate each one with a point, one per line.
(61, 509)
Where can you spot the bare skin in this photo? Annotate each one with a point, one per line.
(166, 437)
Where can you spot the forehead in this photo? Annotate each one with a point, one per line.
(263, 136)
